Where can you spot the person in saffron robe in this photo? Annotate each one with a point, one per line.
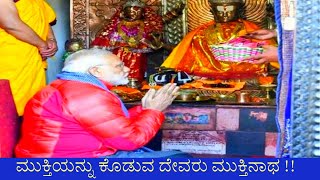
(26, 40)
(129, 36)
(195, 56)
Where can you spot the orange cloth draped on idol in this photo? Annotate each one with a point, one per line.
(198, 52)
(128, 34)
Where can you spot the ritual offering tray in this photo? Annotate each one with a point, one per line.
(128, 94)
(216, 89)
(205, 90)
(190, 95)
(193, 99)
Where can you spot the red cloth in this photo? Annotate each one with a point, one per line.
(9, 126)
(136, 62)
(75, 119)
(133, 57)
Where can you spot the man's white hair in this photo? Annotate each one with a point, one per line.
(84, 59)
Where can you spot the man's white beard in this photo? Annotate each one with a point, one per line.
(120, 80)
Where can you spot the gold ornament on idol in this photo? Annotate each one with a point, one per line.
(215, 33)
(131, 32)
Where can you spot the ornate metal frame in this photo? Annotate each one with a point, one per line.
(88, 16)
(79, 20)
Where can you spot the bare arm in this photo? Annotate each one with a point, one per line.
(51, 35)
(12, 24)
(263, 34)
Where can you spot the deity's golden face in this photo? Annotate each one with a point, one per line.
(133, 13)
(224, 12)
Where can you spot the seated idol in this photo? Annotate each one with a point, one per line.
(196, 53)
(127, 33)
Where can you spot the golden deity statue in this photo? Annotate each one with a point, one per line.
(197, 53)
(134, 30)
(126, 33)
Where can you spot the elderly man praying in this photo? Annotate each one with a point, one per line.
(78, 116)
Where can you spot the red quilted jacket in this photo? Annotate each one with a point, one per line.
(75, 119)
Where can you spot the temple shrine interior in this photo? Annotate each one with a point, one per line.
(224, 109)
(228, 104)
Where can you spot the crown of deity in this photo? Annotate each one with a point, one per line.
(132, 3)
(225, 1)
